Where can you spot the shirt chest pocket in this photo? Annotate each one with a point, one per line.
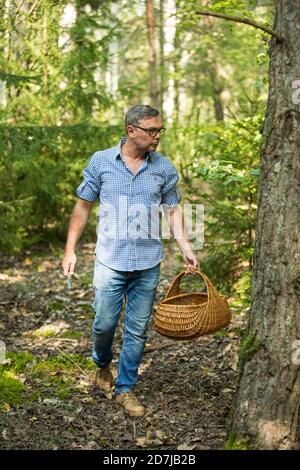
(153, 189)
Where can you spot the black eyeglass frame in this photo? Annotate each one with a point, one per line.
(152, 132)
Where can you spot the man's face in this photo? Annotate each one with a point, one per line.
(141, 137)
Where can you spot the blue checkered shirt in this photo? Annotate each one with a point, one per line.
(129, 228)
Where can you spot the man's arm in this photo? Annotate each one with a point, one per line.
(77, 225)
(175, 220)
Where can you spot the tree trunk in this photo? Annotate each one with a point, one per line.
(45, 47)
(152, 54)
(162, 56)
(176, 64)
(266, 412)
(169, 41)
(216, 96)
(213, 72)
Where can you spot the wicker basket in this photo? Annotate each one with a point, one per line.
(191, 314)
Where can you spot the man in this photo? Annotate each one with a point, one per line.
(131, 180)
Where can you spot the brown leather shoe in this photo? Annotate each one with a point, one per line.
(130, 403)
(105, 380)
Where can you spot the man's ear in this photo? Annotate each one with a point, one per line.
(129, 130)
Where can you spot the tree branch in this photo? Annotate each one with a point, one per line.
(237, 19)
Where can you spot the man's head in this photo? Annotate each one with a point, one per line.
(143, 126)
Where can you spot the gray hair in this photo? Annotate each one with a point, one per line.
(136, 114)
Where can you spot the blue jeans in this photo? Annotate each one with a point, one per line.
(110, 286)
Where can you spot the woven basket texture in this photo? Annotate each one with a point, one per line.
(190, 315)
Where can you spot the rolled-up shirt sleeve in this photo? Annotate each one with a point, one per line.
(171, 194)
(89, 189)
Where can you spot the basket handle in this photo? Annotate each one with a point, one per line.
(174, 288)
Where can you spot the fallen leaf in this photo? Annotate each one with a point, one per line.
(50, 401)
(186, 446)
(5, 407)
(145, 441)
(160, 434)
(141, 442)
(6, 361)
(68, 419)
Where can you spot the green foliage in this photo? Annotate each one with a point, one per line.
(41, 168)
(242, 287)
(219, 168)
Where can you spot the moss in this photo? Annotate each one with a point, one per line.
(88, 308)
(56, 306)
(85, 280)
(250, 345)
(104, 443)
(238, 443)
(238, 331)
(72, 335)
(55, 376)
(44, 334)
(90, 315)
(60, 363)
(221, 334)
(59, 374)
(19, 361)
(65, 390)
(11, 389)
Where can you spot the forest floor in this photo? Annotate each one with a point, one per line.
(47, 399)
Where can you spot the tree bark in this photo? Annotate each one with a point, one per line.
(162, 57)
(154, 94)
(266, 412)
(213, 73)
(176, 64)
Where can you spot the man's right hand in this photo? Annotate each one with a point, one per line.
(69, 263)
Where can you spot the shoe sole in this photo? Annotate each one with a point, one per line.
(135, 414)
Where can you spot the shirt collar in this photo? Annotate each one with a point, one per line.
(148, 155)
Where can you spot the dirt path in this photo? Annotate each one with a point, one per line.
(48, 402)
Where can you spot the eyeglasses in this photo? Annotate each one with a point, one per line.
(152, 131)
